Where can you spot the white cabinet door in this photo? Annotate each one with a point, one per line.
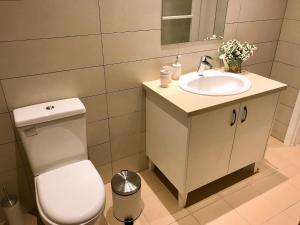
(210, 144)
(253, 129)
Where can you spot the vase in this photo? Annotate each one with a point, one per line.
(235, 66)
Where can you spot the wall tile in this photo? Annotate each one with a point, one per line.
(191, 47)
(283, 114)
(125, 146)
(279, 130)
(262, 10)
(124, 102)
(265, 53)
(263, 69)
(105, 172)
(287, 74)
(42, 88)
(131, 46)
(55, 18)
(289, 96)
(290, 31)
(97, 132)
(6, 129)
(100, 154)
(288, 53)
(233, 11)
(259, 31)
(120, 16)
(22, 58)
(8, 157)
(3, 106)
(292, 10)
(10, 180)
(230, 31)
(96, 107)
(132, 74)
(127, 124)
(135, 163)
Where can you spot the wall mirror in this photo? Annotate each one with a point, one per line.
(192, 20)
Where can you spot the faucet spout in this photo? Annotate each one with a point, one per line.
(204, 65)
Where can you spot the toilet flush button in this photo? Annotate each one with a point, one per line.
(50, 107)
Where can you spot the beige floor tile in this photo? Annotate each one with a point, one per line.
(295, 181)
(204, 202)
(294, 212)
(161, 208)
(283, 196)
(275, 156)
(241, 197)
(257, 210)
(234, 188)
(230, 218)
(269, 182)
(275, 143)
(150, 183)
(281, 219)
(212, 212)
(189, 220)
(290, 171)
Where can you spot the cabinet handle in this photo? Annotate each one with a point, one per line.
(234, 118)
(245, 114)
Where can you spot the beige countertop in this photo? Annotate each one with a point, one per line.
(192, 104)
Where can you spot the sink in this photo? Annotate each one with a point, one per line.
(215, 83)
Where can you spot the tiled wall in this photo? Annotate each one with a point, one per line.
(56, 49)
(286, 67)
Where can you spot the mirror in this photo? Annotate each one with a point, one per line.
(192, 20)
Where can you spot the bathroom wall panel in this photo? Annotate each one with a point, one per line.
(263, 69)
(287, 74)
(290, 31)
(3, 106)
(284, 113)
(265, 53)
(292, 10)
(21, 58)
(124, 146)
(252, 10)
(131, 75)
(233, 11)
(126, 101)
(6, 129)
(289, 96)
(32, 19)
(136, 15)
(279, 130)
(8, 157)
(131, 46)
(288, 53)
(135, 163)
(96, 107)
(259, 31)
(100, 154)
(105, 172)
(127, 124)
(97, 132)
(30, 90)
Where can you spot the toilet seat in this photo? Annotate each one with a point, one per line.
(73, 194)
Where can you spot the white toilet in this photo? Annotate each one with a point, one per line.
(68, 187)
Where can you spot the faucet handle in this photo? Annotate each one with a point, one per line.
(205, 57)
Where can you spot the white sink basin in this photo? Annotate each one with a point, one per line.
(214, 83)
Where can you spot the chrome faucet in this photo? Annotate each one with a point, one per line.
(204, 65)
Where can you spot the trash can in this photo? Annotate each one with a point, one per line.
(12, 209)
(126, 195)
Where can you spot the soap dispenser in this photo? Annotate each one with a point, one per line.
(176, 68)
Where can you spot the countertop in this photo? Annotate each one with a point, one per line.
(192, 104)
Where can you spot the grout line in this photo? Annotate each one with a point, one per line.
(49, 38)
(253, 21)
(291, 65)
(290, 42)
(131, 31)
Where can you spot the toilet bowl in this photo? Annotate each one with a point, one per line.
(68, 188)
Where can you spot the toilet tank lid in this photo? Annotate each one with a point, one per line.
(48, 111)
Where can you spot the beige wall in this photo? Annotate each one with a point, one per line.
(286, 67)
(56, 49)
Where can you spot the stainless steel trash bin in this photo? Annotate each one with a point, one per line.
(126, 195)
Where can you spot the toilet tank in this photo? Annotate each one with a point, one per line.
(53, 133)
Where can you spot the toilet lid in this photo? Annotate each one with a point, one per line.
(72, 194)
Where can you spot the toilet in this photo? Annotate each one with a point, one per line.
(68, 188)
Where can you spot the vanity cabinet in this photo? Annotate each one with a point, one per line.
(194, 150)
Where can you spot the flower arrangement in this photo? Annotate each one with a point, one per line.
(234, 53)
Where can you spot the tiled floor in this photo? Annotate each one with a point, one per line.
(270, 197)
